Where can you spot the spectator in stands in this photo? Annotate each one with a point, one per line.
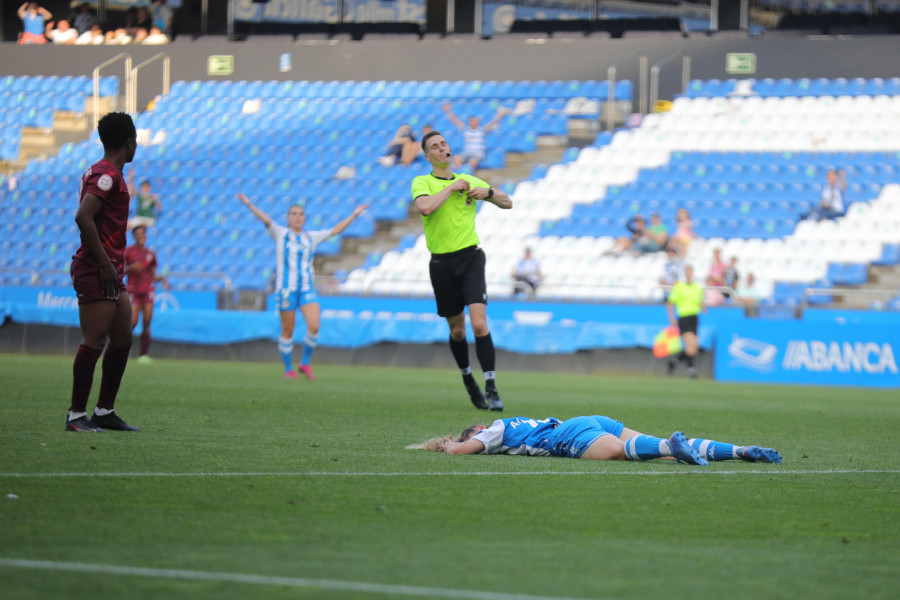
(92, 37)
(474, 145)
(746, 291)
(686, 299)
(149, 207)
(672, 269)
(118, 37)
(398, 147)
(715, 278)
(34, 21)
(527, 274)
(732, 276)
(162, 15)
(294, 279)
(643, 238)
(84, 19)
(140, 266)
(716, 275)
(62, 34)
(155, 38)
(104, 306)
(831, 204)
(684, 232)
(448, 203)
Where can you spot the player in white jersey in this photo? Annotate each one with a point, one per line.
(594, 437)
(295, 279)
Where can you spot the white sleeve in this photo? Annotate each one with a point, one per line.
(492, 437)
(317, 237)
(275, 230)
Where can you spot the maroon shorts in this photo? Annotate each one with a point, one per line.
(141, 298)
(86, 281)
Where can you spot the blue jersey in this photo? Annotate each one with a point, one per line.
(546, 437)
(519, 435)
(294, 257)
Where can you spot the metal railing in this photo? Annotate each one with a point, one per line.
(873, 295)
(611, 92)
(225, 279)
(654, 75)
(166, 78)
(96, 77)
(33, 275)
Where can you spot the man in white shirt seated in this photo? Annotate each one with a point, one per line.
(63, 34)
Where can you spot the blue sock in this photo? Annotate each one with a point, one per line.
(713, 450)
(647, 447)
(286, 349)
(309, 344)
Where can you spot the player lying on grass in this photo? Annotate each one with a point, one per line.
(595, 437)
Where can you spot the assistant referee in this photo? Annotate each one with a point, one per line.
(447, 203)
(686, 298)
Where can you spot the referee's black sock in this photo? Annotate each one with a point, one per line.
(460, 350)
(484, 349)
(690, 361)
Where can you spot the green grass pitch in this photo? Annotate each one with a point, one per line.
(245, 485)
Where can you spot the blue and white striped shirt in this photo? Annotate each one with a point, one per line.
(519, 435)
(294, 254)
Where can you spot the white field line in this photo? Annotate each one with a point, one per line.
(684, 471)
(267, 580)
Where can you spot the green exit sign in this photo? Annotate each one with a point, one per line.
(740, 63)
(220, 64)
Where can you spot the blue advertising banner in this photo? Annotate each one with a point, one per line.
(59, 306)
(304, 11)
(835, 353)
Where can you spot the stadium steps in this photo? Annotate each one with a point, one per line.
(354, 249)
(882, 285)
(519, 165)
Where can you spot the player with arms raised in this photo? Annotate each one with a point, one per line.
(295, 279)
(447, 201)
(104, 307)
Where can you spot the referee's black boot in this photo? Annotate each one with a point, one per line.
(475, 394)
(493, 397)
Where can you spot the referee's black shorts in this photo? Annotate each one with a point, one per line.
(458, 280)
(688, 324)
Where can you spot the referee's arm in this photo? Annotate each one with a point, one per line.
(429, 204)
(498, 198)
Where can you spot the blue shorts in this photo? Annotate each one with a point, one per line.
(575, 435)
(293, 299)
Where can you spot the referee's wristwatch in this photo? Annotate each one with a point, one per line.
(490, 193)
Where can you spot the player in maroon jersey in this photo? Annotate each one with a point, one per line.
(104, 307)
(140, 266)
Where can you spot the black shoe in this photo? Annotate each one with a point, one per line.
(83, 425)
(475, 394)
(112, 421)
(493, 398)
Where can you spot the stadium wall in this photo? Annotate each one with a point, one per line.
(777, 345)
(499, 58)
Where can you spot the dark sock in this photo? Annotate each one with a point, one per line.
(690, 361)
(484, 349)
(83, 377)
(145, 341)
(114, 361)
(460, 350)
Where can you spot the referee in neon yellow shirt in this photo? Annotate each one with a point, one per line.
(686, 298)
(447, 201)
